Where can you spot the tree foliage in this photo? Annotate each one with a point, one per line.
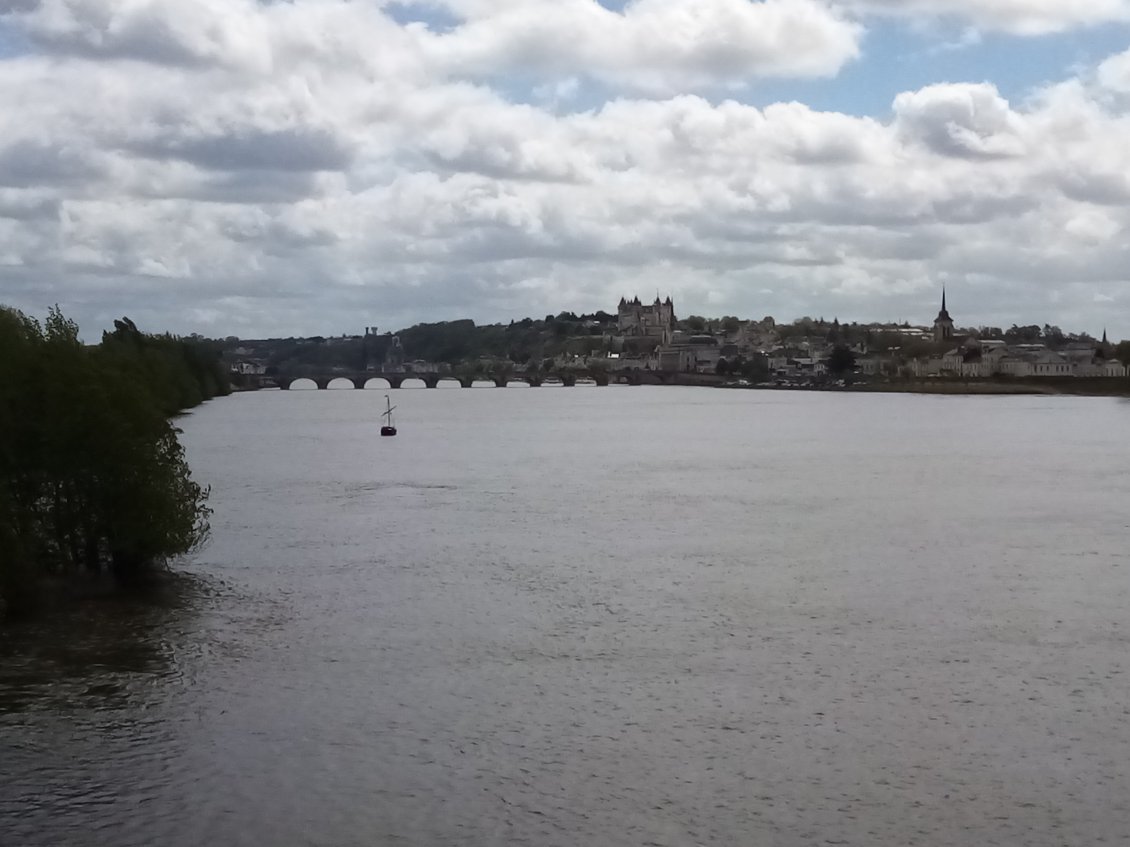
(92, 476)
(1122, 352)
(693, 323)
(841, 360)
(457, 343)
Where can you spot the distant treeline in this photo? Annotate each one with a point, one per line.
(452, 342)
(92, 477)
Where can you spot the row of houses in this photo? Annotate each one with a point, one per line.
(977, 359)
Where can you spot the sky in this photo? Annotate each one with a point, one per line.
(313, 167)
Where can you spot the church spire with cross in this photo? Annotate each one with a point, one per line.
(943, 323)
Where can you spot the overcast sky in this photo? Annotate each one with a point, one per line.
(233, 167)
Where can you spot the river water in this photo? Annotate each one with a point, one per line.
(608, 616)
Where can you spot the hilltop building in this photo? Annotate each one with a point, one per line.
(656, 322)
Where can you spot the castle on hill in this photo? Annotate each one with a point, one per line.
(656, 322)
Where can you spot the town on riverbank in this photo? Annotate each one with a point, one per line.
(646, 343)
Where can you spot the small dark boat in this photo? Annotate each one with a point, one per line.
(388, 428)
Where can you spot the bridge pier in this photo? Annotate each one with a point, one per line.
(323, 382)
(499, 381)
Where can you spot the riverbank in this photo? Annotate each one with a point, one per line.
(1081, 386)
(926, 386)
(1084, 387)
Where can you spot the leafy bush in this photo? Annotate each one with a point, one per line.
(92, 476)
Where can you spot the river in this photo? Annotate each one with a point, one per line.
(608, 616)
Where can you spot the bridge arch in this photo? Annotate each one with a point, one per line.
(448, 382)
(302, 383)
(555, 379)
(377, 382)
(338, 383)
(413, 382)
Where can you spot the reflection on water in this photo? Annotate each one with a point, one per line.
(81, 697)
(89, 653)
(608, 616)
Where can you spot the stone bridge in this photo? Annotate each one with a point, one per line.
(431, 380)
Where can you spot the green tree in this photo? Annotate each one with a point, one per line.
(92, 476)
(755, 368)
(1122, 352)
(841, 360)
(695, 323)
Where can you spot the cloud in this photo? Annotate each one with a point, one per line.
(1018, 17)
(655, 46)
(250, 148)
(160, 31)
(315, 166)
(29, 163)
(971, 121)
(1114, 73)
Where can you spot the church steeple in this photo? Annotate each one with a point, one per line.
(943, 324)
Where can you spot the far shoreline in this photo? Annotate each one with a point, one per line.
(1085, 387)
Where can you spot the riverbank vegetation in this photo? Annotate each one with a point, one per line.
(93, 481)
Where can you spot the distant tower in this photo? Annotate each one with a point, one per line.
(369, 349)
(943, 324)
(394, 355)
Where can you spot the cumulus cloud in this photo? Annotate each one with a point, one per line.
(961, 120)
(1114, 73)
(314, 166)
(162, 31)
(659, 46)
